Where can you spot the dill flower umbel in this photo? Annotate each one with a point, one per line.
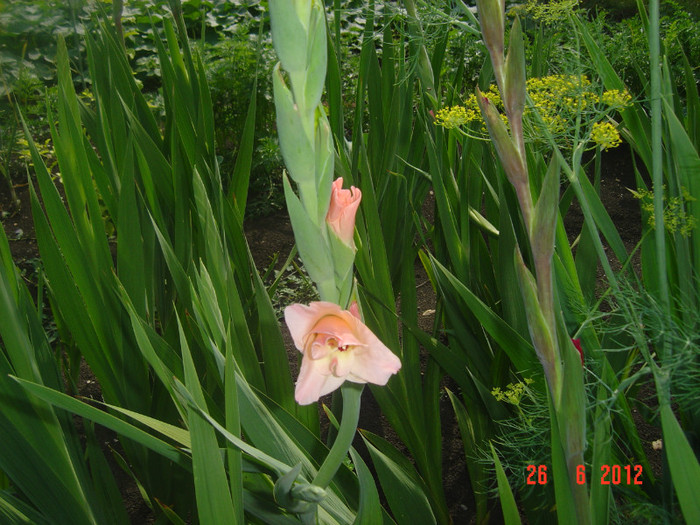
(513, 392)
(452, 117)
(557, 102)
(605, 135)
(616, 99)
(676, 218)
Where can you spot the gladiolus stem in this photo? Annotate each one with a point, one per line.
(352, 393)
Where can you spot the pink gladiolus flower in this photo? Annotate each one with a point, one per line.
(577, 344)
(341, 213)
(337, 346)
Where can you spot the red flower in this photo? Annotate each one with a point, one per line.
(577, 344)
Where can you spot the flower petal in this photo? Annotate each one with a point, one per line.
(374, 363)
(339, 328)
(315, 380)
(342, 363)
(342, 210)
(336, 346)
(355, 310)
(301, 319)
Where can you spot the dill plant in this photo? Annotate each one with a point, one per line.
(520, 440)
(644, 318)
(558, 101)
(637, 316)
(676, 217)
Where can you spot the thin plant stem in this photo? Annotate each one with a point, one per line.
(657, 160)
(352, 393)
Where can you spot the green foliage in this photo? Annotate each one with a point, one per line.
(235, 67)
(291, 285)
(623, 41)
(183, 334)
(522, 439)
(676, 219)
(564, 107)
(235, 61)
(625, 44)
(28, 40)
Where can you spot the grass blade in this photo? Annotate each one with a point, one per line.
(510, 509)
(685, 470)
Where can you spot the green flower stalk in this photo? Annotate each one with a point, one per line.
(561, 365)
(513, 161)
(514, 91)
(492, 17)
(299, 37)
(338, 349)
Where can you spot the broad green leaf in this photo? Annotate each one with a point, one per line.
(233, 425)
(105, 489)
(210, 481)
(518, 349)
(686, 159)
(314, 52)
(270, 437)
(36, 456)
(16, 512)
(566, 508)
(602, 218)
(121, 427)
(296, 145)
(370, 510)
(602, 443)
(473, 429)
(544, 221)
(404, 489)
(238, 189)
(685, 470)
(510, 509)
(288, 32)
(514, 98)
(310, 238)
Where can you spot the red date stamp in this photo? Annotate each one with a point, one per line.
(609, 475)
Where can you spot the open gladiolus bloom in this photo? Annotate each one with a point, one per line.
(342, 210)
(337, 346)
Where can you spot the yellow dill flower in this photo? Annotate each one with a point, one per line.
(557, 102)
(676, 218)
(496, 392)
(513, 392)
(559, 98)
(551, 12)
(494, 95)
(616, 98)
(452, 117)
(605, 135)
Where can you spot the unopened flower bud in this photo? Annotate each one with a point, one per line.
(514, 96)
(508, 153)
(491, 15)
